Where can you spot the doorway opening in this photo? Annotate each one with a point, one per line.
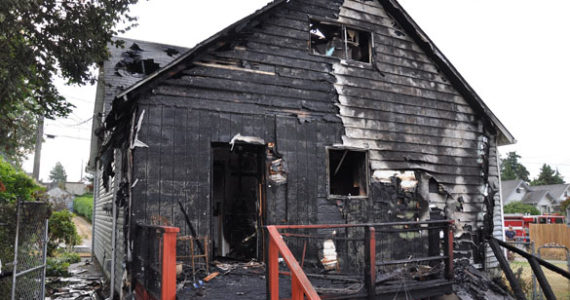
(238, 200)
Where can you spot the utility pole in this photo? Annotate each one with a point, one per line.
(38, 150)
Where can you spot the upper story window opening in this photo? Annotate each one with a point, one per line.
(340, 41)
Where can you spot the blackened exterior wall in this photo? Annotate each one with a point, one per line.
(263, 82)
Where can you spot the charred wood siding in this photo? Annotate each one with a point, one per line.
(265, 83)
(411, 118)
(177, 163)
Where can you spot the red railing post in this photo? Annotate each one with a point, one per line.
(296, 289)
(273, 270)
(300, 284)
(370, 258)
(168, 286)
(448, 241)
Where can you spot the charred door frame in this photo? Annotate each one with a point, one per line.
(260, 219)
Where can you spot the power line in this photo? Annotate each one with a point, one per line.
(51, 136)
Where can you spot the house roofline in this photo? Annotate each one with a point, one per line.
(396, 11)
(172, 68)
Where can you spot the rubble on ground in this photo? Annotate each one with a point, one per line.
(473, 284)
(86, 283)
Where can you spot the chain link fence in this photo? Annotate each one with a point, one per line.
(23, 247)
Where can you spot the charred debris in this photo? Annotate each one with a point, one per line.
(305, 112)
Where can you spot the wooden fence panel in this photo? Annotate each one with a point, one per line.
(543, 234)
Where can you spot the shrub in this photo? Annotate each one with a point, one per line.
(83, 206)
(62, 230)
(58, 265)
(521, 208)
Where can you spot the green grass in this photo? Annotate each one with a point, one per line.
(83, 206)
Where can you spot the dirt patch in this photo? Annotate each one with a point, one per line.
(84, 230)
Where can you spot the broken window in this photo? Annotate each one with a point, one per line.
(340, 41)
(347, 173)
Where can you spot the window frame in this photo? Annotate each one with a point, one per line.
(366, 172)
(343, 28)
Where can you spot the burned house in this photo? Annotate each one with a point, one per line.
(305, 112)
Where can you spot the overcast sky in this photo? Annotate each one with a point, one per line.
(514, 53)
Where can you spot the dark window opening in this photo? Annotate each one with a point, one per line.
(358, 45)
(347, 173)
(337, 40)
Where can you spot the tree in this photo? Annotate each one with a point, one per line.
(16, 185)
(42, 39)
(62, 230)
(512, 169)
(58, 175)
(517, 207)
(564, 206)
(547, 176)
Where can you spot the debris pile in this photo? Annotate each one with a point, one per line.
(471, 283)
(86, 283)
(229, 280)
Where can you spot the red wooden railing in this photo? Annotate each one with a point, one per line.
(150, 238)
(301, 287)
(300, 284)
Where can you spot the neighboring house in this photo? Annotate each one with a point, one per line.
(76, 188)
(305, 112)
(60, 199)
(514, 190)
(542, 200)
(546, 198)
(559, 192)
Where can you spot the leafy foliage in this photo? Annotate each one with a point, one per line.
(42, 39)
(83, 206)
(59, 264)
(62, 230)
(547, 176)
(58, 175)
(518, 207)
(16, 185)
(512, 169)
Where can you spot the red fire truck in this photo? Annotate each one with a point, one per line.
(520, 223)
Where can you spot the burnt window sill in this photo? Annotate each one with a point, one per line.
(341, 197)
(355, 63)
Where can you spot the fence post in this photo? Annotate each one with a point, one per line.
(15, 270)
(45, 258)
(168, 287)
(370, 259)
